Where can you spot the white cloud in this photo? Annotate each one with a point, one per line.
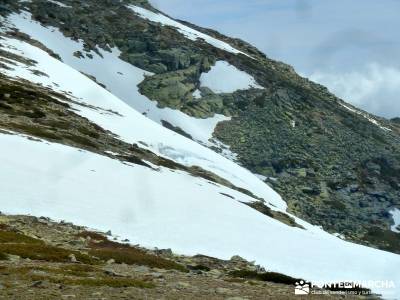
(374, 88)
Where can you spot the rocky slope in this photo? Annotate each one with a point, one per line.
(75, 263)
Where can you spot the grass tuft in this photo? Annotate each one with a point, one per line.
(199, 268)
(14, 237)
(95, 282)
(121, 253)
(44, 252)
(266, 276)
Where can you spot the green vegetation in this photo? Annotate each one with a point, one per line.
(45, 133)
(15, 243)
(14, 237)
(100, 281)
(267, 276)
(79, 275)
(385, 239)
(44, 252)
(336, 204)
(78, 270)
(199, 268)
(82, 141)
(107, 250)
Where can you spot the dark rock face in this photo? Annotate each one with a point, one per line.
(333, 166)
(396, 120)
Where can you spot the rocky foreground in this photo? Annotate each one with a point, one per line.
(42, 259)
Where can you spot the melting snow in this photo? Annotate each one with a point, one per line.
(262, 177)
(225, 78)
(225, 150)
(396, 219)
(58, 3)
(188, 32)
(197, 94)
(169, 209)
(365, 115)
(130, 125)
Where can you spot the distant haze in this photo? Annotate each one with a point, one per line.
(352, 47)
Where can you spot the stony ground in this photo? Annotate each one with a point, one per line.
(42, 259)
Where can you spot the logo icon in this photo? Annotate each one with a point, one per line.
(302, 288)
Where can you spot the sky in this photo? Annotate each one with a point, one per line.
(352, 47)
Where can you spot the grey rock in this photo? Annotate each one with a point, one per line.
(72, 258)
(182, 285)
(237, 258)
(215, 273)
(223, 291)
(155, 275)
(141, 269)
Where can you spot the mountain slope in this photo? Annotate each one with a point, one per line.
(62, 85)
(326, 158)
(171, 210)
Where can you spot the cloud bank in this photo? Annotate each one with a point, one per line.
(375, 88)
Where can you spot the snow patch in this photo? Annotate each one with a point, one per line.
(262, 177)
(396, 219)
(225, 78)
(59, 4)
(340, 236)
(188, 32)
(197, 94)
(224, 150)
(365, 115)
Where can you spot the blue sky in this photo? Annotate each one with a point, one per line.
(352, 47)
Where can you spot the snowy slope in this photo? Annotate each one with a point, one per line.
(120, 77)
(172, 210)
(132, 126)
